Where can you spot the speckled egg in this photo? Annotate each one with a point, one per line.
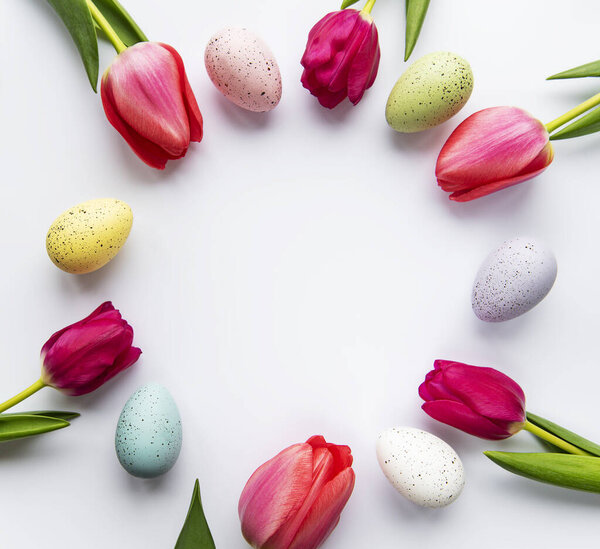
(243, 68)
(421, 466)
(513, 279)
(432, 90)
(87, 236)
(148, 436)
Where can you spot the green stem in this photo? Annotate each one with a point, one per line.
(39, 384)
(105, 26)
(552, 439)
(573, 113)
(368, 6)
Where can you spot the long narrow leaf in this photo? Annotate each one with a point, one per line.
(122, 23)
(347, 3)
(587, 124)
(195, 533)
(56, 414)
(416, 10)
(565, 434)
(589, 69)
(566, 470)
(21, 425)
(78, 20)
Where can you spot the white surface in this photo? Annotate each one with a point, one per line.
(296, 274)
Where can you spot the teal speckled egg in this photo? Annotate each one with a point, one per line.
(148, 437)
(432, 90)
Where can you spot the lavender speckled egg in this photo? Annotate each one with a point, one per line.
(513, 279)
(243, 68)
(421, 466)
(148, 436)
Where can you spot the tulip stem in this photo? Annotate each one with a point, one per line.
(573, 113)
(368, 6)
(39, 384)
(552, 439)
(105, 26)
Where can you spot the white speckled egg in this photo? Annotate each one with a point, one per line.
(432, 90)
(421, 466)
(243, 68)
(148, 436)
(513, 279)
(87, 236)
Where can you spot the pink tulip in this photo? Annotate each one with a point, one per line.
(295, 499)
(148, 99)
(480, 401)
(492, 149)
(83, 356)
(341, 57)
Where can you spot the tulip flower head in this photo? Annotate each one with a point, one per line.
(148, 99)
(294, 500)
(480, 401)
(341, 57)
(83, 356)
(492, 149)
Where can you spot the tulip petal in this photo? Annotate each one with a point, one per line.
(364, 64)
(462, 417)
(274, 492)
(325, 512)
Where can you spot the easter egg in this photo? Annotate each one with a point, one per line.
(513, 279)
(421, 466)
(148, 436)
(87, 236)
(243, 69)
(432, 90)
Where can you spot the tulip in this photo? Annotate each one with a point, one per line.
(341, 57)
(79, 358)
(147, 98)
(294, 500)
(480, 401)
(491, 150)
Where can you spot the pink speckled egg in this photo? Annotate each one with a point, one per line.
(243, 68)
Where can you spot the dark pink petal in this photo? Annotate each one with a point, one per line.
(362, 67)
(274, 493)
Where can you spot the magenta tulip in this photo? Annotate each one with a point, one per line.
(480, 401)
(295, 499)
(83, 356)
(491, 150)
(148, 99)
(341, 57)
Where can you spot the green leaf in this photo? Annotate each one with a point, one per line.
(565, 434)
(415, 15)
(589, 123)
(566, 470)
(56, 414)
(347, 3)
(22, 425)
(78, 20)
(122, 23)
(589, 69)
(195, 533)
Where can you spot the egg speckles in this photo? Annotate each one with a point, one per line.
(421, 466)
(243, 68)
(513, 279)
(148, 436)
(432, 90)
(87, 236)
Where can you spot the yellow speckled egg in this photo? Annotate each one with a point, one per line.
(87, 236)
(432, 90)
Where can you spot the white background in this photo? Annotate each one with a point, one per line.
(296, 274)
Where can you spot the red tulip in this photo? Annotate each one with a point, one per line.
(83, 356)
(147, 98)
(492, 149)
(295, 499)
(480, 401)
(341, 57)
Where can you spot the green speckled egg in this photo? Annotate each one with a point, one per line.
(87, 236)
(432, 90)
